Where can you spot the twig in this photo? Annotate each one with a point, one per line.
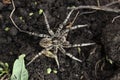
(112, 3)
(96, 8)
(115, 18)
(103, 8)
(87, 12)
(96, 66)
(74, 18)
(11, 14)
(83, 13)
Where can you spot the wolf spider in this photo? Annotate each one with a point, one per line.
(55, 40)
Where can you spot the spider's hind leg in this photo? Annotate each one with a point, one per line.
(73, 57)
(30, 33)
(69, 55)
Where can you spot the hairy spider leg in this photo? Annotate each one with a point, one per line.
(71, 23)
(68, 54)
(35, 57)
(56, 58)
(65, 32)
(48, 26)
(78, 26)
(47, 53)
(73, 57)
(68, 16)
(64, 23)
(80, 45)
(30, 33)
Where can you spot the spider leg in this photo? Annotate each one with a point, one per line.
(52, 55)
(56, 59)
(55, 50)
(79, 45)
(69, 55)
(73, 57)
(64, 22)
(30, 33)
(47, 53)
(35, 57)
(68, 16)
(48, 26)
(65, 32)
(77, 26)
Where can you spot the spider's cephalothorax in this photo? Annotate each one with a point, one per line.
(45, 42)
(55, 40)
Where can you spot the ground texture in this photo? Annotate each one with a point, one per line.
(100, 61)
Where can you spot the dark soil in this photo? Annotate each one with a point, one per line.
(97, 59)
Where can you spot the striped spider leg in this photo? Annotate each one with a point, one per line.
(63, 24)
(28, 32)
(64, 34)
(66, 44)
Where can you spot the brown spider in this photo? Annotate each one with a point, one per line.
(55, 41)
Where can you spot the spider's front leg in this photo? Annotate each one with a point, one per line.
(64, 23)
(47, 53)
(48, 26)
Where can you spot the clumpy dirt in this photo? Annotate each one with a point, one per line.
(100, 61)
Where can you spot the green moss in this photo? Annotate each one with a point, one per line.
(7, 29)
(40, 11)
